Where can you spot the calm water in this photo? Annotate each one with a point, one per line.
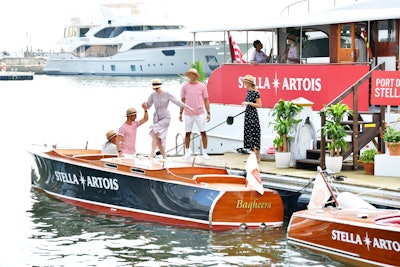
(39, 231)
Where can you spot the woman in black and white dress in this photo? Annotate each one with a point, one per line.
(252, 129)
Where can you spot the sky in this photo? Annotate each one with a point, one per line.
(38, 24)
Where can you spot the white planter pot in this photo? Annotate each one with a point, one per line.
(334, 164)
(282, 159)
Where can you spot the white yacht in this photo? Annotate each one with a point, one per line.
(132, 45)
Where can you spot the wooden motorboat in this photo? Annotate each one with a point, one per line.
(351, 231)
(155, 190)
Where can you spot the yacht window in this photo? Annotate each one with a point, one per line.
(112, 67)
(83, 31)
(134, 28)
(345, 36)
(133, 67)
(96, 50)
(159, 45)
(111, 32)
(317, 45)
(386, 30)
(70, 31)
(168, 52)
(105, 33)
(212, 62)
(164, 27)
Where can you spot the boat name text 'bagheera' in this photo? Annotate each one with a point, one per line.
(240, 204)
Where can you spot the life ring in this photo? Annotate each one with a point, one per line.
(3, 67)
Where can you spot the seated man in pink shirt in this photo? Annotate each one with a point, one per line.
(126, 138)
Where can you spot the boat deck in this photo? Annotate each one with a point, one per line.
(377, 190)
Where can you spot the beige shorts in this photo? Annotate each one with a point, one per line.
(200, 121)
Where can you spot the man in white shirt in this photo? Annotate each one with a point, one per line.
(110, 146)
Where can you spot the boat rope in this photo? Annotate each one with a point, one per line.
(299, 191)
(229, 121)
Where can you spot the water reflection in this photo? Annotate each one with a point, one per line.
(62, 233)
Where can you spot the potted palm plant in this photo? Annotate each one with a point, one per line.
(335, 133)
(367, 158)
(284, 122)
(392, 138)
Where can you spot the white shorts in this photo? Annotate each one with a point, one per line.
(200, 122)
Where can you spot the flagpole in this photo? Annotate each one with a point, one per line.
(327, 185)
(233, 57)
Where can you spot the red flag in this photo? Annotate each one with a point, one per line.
(236, 54)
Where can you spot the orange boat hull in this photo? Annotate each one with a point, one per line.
(359, 237)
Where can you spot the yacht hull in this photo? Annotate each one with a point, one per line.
(147, 62)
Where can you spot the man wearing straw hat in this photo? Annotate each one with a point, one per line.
(126, 138)
(110, 146)
(194, 93)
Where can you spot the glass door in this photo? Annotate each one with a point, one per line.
(346, 45)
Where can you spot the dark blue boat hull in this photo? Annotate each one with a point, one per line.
(95, 187)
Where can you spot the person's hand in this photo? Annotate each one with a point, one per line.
(245, 103)
(144, 105)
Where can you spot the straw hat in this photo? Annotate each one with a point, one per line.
(110, 134)
(250, 79)
(130, 111)
(192, 70)
(291, 37)
(156, 83)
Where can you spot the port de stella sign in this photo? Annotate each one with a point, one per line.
(385, 88)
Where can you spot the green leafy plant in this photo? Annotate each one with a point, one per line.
(199, 67)
(333, 128)
(368, 155)
(391, 135)
(284, 121)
